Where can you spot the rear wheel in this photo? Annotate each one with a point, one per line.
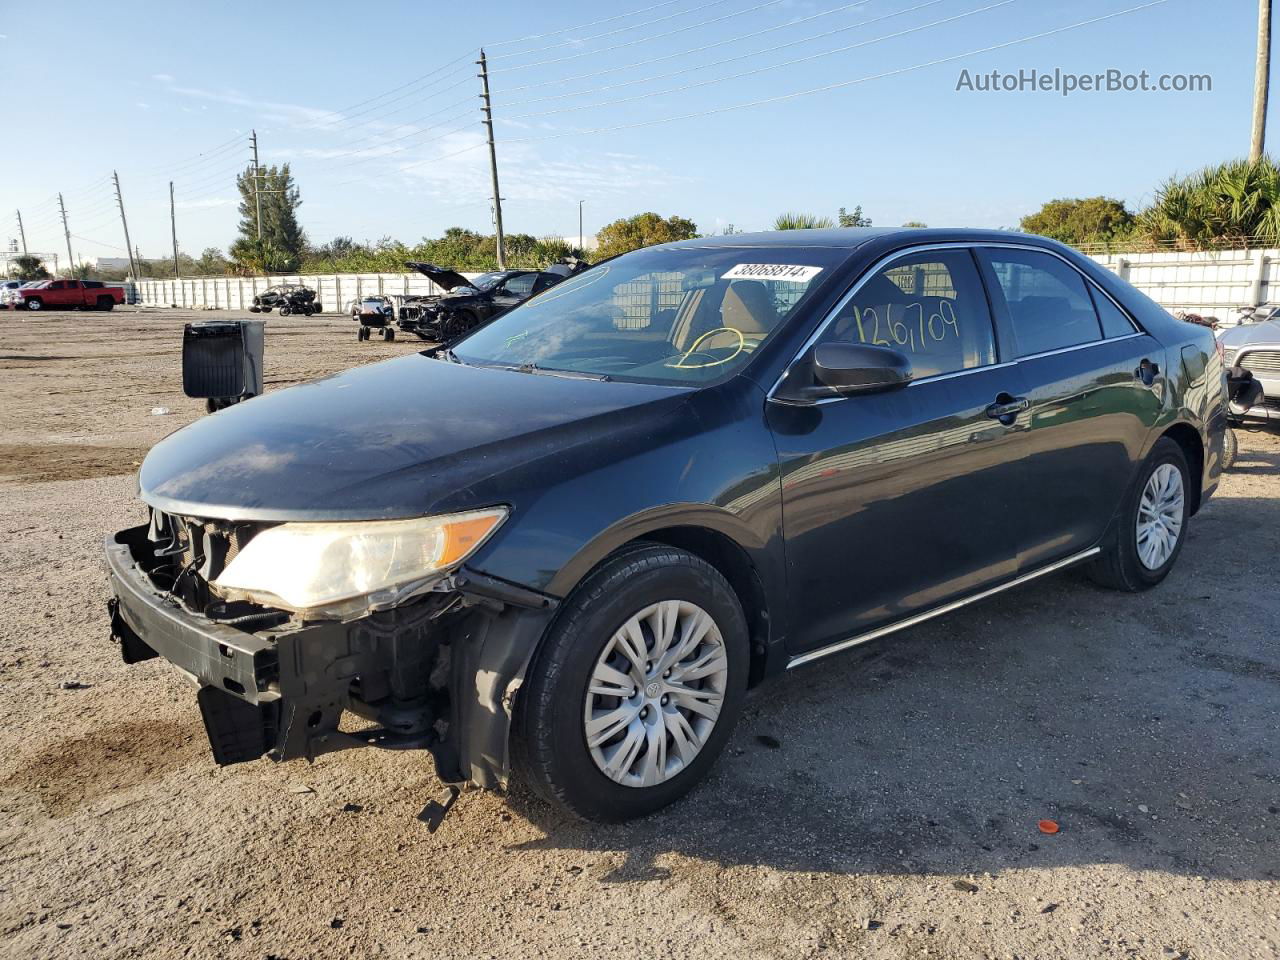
(1152, 525)
(388, 333)
(105, 303)
(636, 688)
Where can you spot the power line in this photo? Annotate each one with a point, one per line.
(632, 43)
(743, 56)
(347, 117)
(610, 33)
(582, 26)
(684, 53)
(765, 69)
(841, 84)
(428, 74)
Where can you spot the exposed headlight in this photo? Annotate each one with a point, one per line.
(340, 570)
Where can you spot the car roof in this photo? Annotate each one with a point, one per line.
(850, 238)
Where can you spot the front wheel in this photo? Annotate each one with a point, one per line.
(1230, 449)
(35, 305)
(636, 688)
(1152, 524)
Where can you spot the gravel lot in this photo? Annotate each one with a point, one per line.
(884, 804)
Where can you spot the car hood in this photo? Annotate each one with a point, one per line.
(446, 279)
(406, 437)
(1266, 332)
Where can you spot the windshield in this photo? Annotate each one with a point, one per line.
(672, 315)
(487, 280)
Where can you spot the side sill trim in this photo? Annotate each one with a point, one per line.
(861, 638)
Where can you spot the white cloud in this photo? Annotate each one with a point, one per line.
(142, 106)
(162, 77)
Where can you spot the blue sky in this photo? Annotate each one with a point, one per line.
(375, 107)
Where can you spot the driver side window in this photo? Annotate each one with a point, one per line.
(930, 305)
(520, 286)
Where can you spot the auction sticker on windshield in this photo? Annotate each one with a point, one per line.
(791, 272)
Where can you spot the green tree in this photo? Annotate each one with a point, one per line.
(801, 221)
(1232, 204)
(920, 224)
(283, 242)
(1078, 221)
(855, 219)
(642, 230)
(28, 268)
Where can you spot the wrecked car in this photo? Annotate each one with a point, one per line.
(679, 474)
(466, 304)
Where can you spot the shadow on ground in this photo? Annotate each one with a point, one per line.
(1146, 725)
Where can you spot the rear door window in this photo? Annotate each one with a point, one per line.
(521, 286)
(1115, 322)
(1049, 303)
(929, 305)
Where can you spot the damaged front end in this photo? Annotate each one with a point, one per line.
(435, 668)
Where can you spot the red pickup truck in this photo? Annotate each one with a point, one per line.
(80, 294)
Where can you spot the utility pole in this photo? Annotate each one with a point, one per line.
(22, 233)
(67, 233)
(133, 264)
(1261, 82)
(173, 225)
(581, 241)
(257, 197)
(493, 161)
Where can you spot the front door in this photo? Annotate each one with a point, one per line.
(897, 502)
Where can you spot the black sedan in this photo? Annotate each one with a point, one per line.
(584, 531)
(466, 304)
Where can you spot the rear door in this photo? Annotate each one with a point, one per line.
(897, 502)
(1094, 386)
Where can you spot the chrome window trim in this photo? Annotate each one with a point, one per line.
(971, 246)
(861, 638)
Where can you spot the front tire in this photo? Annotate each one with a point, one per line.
(637, 687)
(1230, 449)
(1152, 524)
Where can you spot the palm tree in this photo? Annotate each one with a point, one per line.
(802, 221)
(1233, 204)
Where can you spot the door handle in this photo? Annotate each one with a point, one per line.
(1007, 408)
(1147, 372)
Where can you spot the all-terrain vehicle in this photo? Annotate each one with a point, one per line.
(289, 298)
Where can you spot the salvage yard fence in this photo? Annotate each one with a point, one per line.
(334, 291)
(1211, 283)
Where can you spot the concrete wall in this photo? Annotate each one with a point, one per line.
(335, 291)
(1214, 283)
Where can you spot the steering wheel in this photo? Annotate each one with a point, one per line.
(681, 364)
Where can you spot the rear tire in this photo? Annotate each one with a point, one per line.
(1129, 563)
(105, 303)
(656, 737)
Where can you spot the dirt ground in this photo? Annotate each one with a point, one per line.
(883, 804)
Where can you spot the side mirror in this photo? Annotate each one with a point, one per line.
(847, 368)
(860, 368)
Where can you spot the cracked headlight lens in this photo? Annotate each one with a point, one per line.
(341, 570)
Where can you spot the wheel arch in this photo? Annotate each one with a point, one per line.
(1188, 438)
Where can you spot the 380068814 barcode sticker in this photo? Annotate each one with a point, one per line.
(787, 272)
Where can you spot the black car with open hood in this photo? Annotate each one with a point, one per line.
(587, 527)
(468, 303)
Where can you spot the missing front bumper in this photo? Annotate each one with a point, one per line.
(438, 674)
